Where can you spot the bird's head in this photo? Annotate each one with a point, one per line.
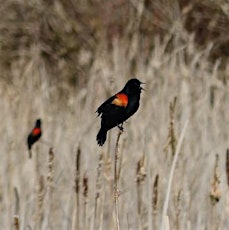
(133, 86)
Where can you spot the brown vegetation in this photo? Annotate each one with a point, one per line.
(60, 59)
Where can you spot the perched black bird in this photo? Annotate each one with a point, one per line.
(119, 108)
(34, 136)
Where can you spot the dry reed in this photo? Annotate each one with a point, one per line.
(172, 141)
(85, 195)
(40, 201)
(17, 202)
(98, 191)
(140, 178)
(178, 208)
(166, 203)
(16, 210)
(76, 223)
(155, 194)
(227, 166)
(116, 177)
(47, 222)
(215, 193)
(30, 153)
(16, 223)
(155, 199)
(50, 169)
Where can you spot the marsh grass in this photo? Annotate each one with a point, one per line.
(155, 199)
(77, 211)
(85, 202)
(16, 223)
(59, 61)
(40, 203)
(227, 166)
(171, 136)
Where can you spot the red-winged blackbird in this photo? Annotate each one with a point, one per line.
(34, 136)
(119, 108)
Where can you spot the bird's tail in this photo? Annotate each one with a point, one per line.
(101, 136)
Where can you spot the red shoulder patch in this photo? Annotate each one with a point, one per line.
(120, 100)
(36, 131)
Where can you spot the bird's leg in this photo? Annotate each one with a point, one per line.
(120, 126)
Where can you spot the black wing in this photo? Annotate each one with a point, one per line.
(102, 108)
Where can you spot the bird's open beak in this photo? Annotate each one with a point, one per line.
(143, 84)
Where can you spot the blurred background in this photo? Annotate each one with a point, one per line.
(60, 60)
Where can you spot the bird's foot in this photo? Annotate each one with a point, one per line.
(120, 127)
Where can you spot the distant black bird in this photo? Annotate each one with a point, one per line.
(119, 108)
(34, 136)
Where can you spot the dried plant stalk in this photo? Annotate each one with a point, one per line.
(30, 153)
(77, 180)
(140, 177)
(40, 199)
(85, 195)
(47, 215)
(119, 165)
(155, 200)
(215, 193)
(50, 168)
(17, 208)
(166, 223)
(166, 203)
(171, 141)
(227, 166)
(155, 194)
(116, 192)
(138, 187)
(107, 167)
(121, 161)
(98, 188)
(16, 223)
(178, 208)
(77, 187)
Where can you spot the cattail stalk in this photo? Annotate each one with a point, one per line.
(50, 176)
(16, 211)
(138, 187)
(155, 200)
(171, 135)
(215, 193)
(16, 223)
(178, 209)
(77, 188)
(98, 189)
(227, 166)
(155, 194)
(140, 177)
(17, 208)
(120, 162)
(50, 169)
(40, 200)
(116, 193)
(30, 153)
(166, 203)
(85, 195)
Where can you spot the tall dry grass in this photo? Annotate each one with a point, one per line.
(58, 63)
